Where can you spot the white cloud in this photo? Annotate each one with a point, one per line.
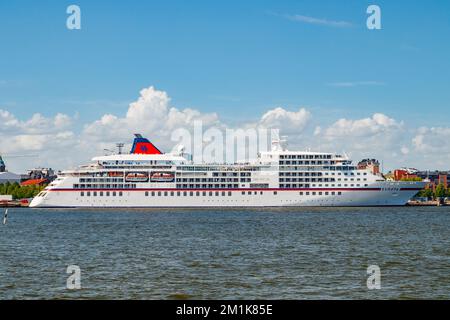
(351, 84)
(435, 139)
(289, 121)
(35, 125)
(318, 21)
(378, 136)
(377, 124)
(152, 115)
(404, 150)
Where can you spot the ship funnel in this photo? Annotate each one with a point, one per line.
(142, 145)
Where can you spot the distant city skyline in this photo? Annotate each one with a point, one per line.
(311, 69)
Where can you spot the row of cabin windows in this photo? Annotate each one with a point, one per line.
(307, 180)
(207, 186)
(318, 179)
(199, 193)
(293, 167)
(319, 174)
(101, 193)
(104, 186)
(213, 179)
(305, 162)
(231, 174)
(83, 180)
(186, 193)
(202, 168)
(320, 193)
(306, 156)
(295, 185)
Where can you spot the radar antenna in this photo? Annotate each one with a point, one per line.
(120, 146)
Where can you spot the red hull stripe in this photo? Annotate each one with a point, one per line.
(237, 190)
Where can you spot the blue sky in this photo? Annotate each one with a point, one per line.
(236, 58)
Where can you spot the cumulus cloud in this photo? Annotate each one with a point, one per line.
(377, 136)
(317, 21)
(290, 121)
(37, 124)
(377, 124)
(431, 140)
(152, 115)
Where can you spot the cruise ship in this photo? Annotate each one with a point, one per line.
(147, 177)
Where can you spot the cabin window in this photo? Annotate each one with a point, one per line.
(146, 193)
(101, 193)
(339, 193)
(120, 193)
(178, 193)
(153, 193)
(107, 193)
(243, 193)
(184, 193)
(229, 193)
(204, 193)
(275, 193)
(159, 193)
(171, 193)
(165, 193)
(95, 193)
(191, 193)
(217, 193)
(197, 193)
(82, 194)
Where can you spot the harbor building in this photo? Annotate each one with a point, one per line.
(6, 176)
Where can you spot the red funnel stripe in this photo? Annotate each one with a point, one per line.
(143, 146)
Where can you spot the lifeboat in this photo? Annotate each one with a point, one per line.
(115, 174)
(162, 177)
(136, 177)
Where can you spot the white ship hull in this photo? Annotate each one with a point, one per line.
(258, 198)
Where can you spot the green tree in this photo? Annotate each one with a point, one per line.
(20, 192)
(440, 191)
(425, 193)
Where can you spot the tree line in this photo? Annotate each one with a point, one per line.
(20, 192)
(440, 192)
